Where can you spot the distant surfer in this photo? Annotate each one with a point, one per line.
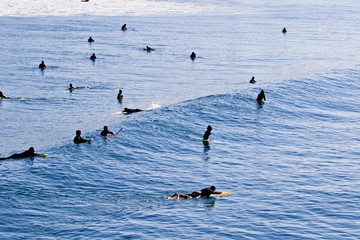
(130, 110)
(27, 154)
(261, 97)
(2, 96)
(284, 31)
(93, 57)
(84, 0)
(206, 192)
(193, 56)
(148, 49)
(71, 87)
(124, 28)
(78, 139)
(106, 132)
(120, 96)
(90, 40)
(42, 65)
(207, 133)
(252, 80)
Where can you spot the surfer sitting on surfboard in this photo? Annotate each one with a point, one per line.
(207, 133)
(106, 132)
(42, 65)
(26, 154)
(2, 96)
(78, 139)
(120, 96)
(261, 97)
(205, 192)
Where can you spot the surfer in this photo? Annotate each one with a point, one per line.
(71, 87)
(124, 28)
(93, 57)
(148, 49)
(205, 192)
(106, 132)
(42, 65)
(28, 153)
(131, 110)
(207, 133)
(261, 97)
(90, 40)
(284, 30)
(120, 96)
(2, 96)
(193, 56)
(252, 80)
(78, 139)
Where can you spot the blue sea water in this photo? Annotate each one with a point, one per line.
(292, 164)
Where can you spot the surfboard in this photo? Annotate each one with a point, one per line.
(44, 155)
(220, 194)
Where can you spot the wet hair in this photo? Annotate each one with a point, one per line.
(212, 188)
(78, 132)
(31, 149)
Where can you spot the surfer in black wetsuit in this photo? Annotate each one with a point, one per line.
(284, 30)
(93, 57)
(78, 139)
(124, 28)
(2, 96)
(120, 96)
(71, 87)
(42, 65)
(130, 110)
(106, 132)
(193, 56)
(207, 133)
(252, 80)
(90, 40)
(261, 97)
(148, 49)
(205, 192)
(28, 153)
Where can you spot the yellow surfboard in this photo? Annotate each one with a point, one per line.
(220, 194)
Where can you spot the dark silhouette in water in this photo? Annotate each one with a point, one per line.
(207, 133)
(206, 192)
(71, 87)
(252, 80)
(90, 40)
(130, 110)
(28, 153)
(2, 96)
(42, 65)
(93, 57)
(148, 49)
(78, 139)
(106, 132)
(284, 30)
(120, 96)
(193, 56)
(124, 28)
(261, 97)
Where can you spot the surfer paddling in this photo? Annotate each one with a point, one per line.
(26, 154)
(205, 192)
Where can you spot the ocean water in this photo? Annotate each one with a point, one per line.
(291, 164)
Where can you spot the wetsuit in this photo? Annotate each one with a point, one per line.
(261, 96)
(79, 139)
(25, 154)
(129, 110)
(106, 132)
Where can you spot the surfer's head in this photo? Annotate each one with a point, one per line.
(31, 150)
(78, 132)
(212, 188)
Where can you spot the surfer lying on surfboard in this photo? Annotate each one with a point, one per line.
(130, 110)
(26, 154)
(206, 192)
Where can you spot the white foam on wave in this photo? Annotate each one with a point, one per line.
(33, 8)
